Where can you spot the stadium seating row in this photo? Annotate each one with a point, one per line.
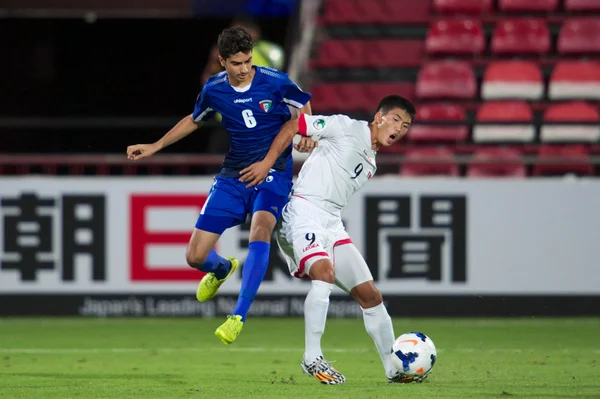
(482, 6)
(497, 162)
(513, 36)
(508, 121)
(578, 79)
(466, 36)
(361, 53)
(449, 79)
(390, 12)
(495, 121)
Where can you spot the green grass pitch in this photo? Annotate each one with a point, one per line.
(181, 358)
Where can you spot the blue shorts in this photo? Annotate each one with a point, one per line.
(229, 201)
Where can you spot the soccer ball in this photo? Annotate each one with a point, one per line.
(413, 355)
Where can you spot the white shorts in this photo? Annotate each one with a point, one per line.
(307, 233)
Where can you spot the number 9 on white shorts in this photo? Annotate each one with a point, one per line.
(306, 234)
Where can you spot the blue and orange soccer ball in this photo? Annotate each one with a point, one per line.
(413, 355)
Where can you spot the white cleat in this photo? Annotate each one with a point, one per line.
(322, 370)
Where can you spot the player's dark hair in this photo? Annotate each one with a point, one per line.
(234, 40)
(394, 101)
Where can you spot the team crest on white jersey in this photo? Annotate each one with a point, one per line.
(266, 105)
(319, 124)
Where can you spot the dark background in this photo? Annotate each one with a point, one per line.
(58, 73)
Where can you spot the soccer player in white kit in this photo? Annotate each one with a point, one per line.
(311, 235)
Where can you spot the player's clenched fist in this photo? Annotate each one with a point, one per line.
(138, 151)
(306, 144)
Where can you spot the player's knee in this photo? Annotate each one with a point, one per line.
(260, 233)
(194, 258)
(322, 270)
(261, 227)
(367, 295)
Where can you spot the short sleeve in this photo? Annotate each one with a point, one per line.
(202, 110)
(293, 95)
(319, 126)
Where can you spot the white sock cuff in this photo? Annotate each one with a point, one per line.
(318, 283)
(374, 309)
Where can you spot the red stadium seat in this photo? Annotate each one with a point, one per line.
(455, 37)
(324, 98)
(573, 159)
(521, 36)
(342, 12)
(340, 54)
(352, 97)
(399, 11)
(462, 6)
(360, 12)
(575, 80)
(393, 53)
(497, 162)
(582, 5)
(338, 97)
(579, 35)
(572, 112)
(439, 113)
(374, 92)
(388, 53)
(446, 79)
(528, 5)
(512, 79)
(509, 121)
(415, 162)
(355, 97)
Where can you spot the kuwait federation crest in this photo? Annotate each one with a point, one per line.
(266, 105)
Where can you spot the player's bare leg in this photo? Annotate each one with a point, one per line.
(255, 267)
(200, 255)
(200, 245)
(353, 273)
(315, 315)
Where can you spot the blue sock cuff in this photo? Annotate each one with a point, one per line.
(216, 264)
(259, 246)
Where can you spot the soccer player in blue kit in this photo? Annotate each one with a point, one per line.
(255, 103)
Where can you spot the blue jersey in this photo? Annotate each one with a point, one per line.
(253, 116)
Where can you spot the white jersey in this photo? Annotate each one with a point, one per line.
(340, 165)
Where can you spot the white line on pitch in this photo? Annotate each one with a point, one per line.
(66, 351)
(131, 350)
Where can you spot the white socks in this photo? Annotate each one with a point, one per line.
(378, 324)
(315, 315)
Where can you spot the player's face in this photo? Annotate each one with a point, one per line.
(238, 66)
(392, 126)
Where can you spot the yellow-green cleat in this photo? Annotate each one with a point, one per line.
(229, 331)
(209, 285)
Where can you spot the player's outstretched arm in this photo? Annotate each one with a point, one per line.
(183, 128)
(257, 172)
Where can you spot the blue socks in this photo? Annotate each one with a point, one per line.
(216, 264)
(253, 273)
